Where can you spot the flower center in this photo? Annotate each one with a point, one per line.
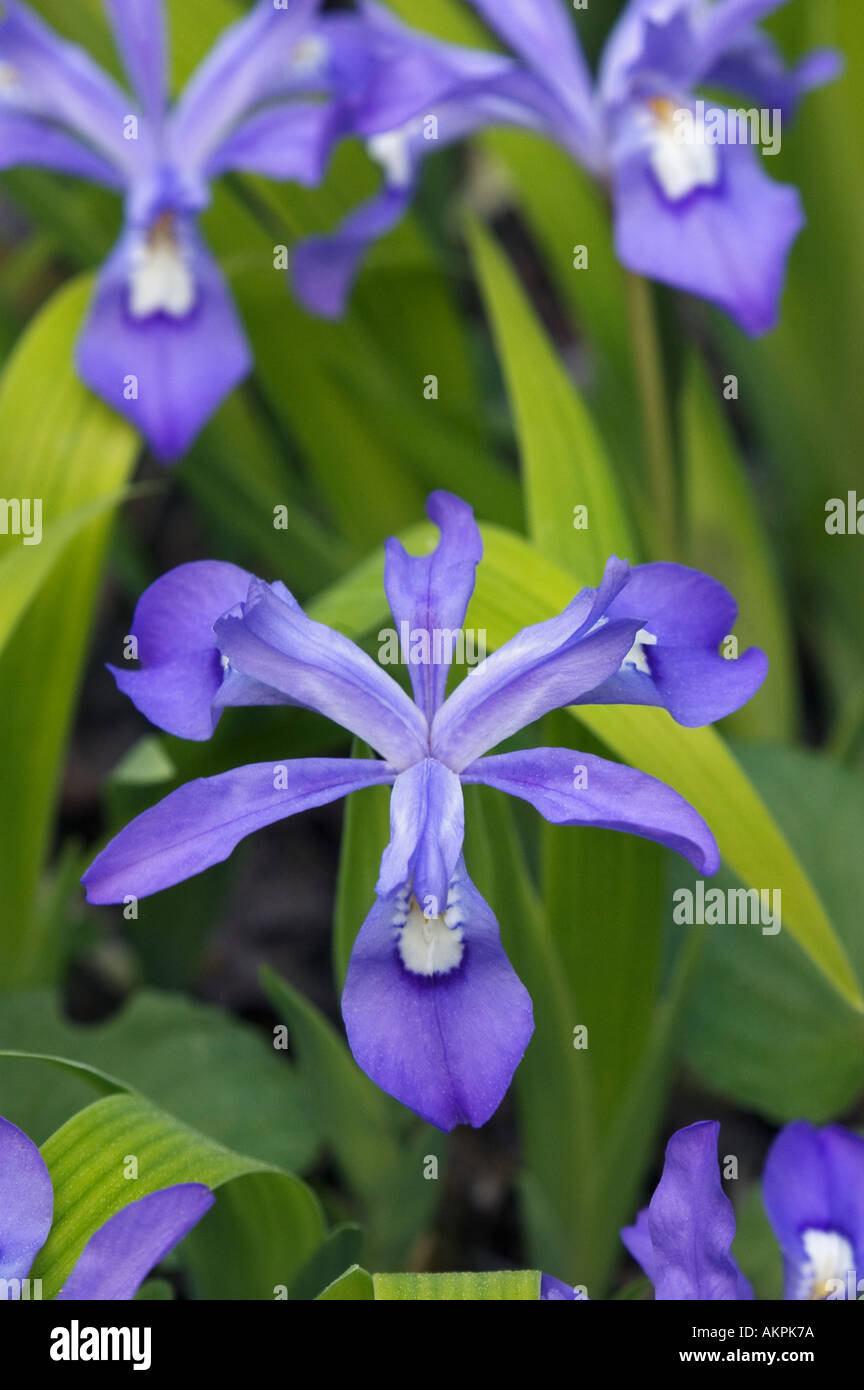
(829, 1259)
(429, 945)
(637, 656)
(681, 159)
(161, 280)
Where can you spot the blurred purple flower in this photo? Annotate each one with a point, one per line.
(117, 1258)
(163, 342)
(702, 217)
(433, 1009)
(813, 1189)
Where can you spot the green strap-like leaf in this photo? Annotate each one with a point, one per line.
(61, 445)
(99, 1080)
(513, 1285)
(123, 1147)
(564, 463)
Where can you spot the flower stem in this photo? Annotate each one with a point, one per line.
(657, 434)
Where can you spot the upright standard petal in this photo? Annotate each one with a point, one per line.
(427, 827)
(435, 1013)
(543, 33)
(571, 788)
(46, 76)
(813, 1188)
(683, 1241)
(118, 1257)
(675, 662)
(182, 669)
(26, 1202)
(542, 668)
(163, 342)
(652, 44)
(139, 28)
(202, 822)
(429, 594)
(728, 242)
(274, 642)
(251, 63)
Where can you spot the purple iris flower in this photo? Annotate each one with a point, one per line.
(117, 1258)
(433, 1009)
(700, 216)
(813, 1190)
(163, 343)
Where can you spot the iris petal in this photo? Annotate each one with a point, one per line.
(446, 1045)
(157, 366)
(118, 1257)
(202, 822)
(571, 788)
(26, 1202)
(431, 592)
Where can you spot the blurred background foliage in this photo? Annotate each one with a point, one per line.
(537, 412)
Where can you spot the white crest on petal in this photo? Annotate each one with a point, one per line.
(160, 276)
(829, 1257)
(680, 165)
(429, 946)
(392, 150)
(636, 656)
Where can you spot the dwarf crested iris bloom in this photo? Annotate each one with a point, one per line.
(163, 342)
(433, 1009)
(117, 1258)
(700, 216)
(813, 1190)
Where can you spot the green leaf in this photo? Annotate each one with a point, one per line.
(354, 1285)
(564, 463)
(727, 540)
(98, 1080)
(24, 571)
(762, 1026)
(756, 1248)
(214, 1073)
(88, 1159)
(510, 1285)
(257, 1239)
(64, 446)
